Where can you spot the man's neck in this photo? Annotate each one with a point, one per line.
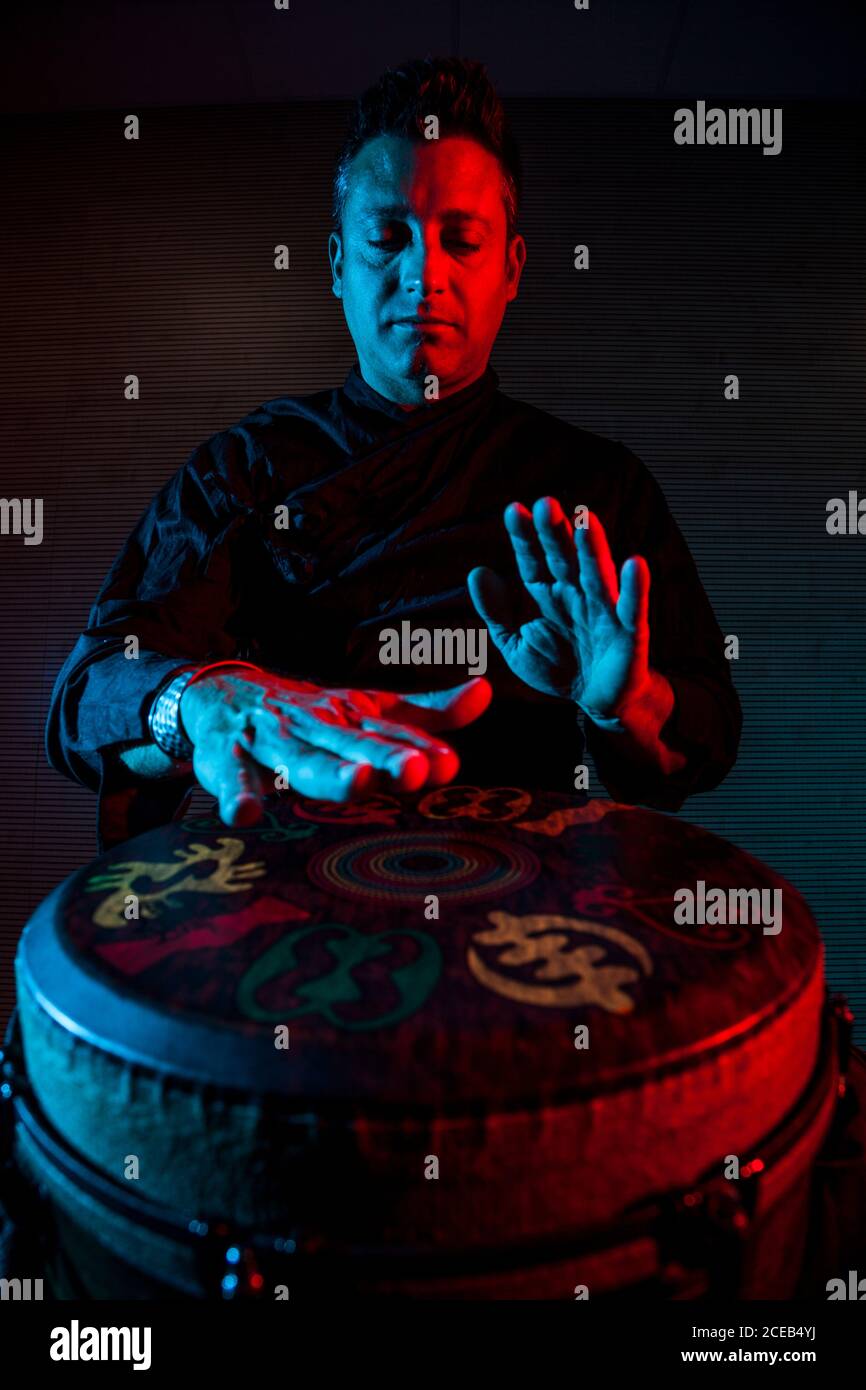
(409, 406)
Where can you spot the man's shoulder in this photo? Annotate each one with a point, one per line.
(562, 437)
(281, 417)
(309, 405)
(245, 455)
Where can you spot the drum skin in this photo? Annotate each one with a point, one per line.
(498, 1035)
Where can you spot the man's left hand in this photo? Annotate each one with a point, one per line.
(571, 628)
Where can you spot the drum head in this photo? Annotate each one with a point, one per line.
(493, 988)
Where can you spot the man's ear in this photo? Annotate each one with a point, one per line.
(335, 255)
(515, 259)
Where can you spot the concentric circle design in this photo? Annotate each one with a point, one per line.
(404, 866)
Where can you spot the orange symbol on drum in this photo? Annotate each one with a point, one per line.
(562, 973)
(476, 803)
(227, 876)
(556, 821)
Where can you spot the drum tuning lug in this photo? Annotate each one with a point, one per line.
(844, 1017)
(242, 1277)
(10, 1050)
(7, 1126)
(706, 1228)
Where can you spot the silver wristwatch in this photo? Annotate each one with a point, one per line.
(164, 721)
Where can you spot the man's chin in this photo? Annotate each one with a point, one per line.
(433, 373)
(423, 375)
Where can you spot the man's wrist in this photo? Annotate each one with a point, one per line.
(611, 723)
(649, 708)
(164, 717)
(640, 719)
(648, 705)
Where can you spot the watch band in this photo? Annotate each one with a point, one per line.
(164, 721)
(163, 718)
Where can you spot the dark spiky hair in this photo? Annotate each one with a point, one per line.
(459, 93)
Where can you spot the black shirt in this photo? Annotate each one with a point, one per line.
(387, 511)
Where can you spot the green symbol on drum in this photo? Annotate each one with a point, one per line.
(349, 949)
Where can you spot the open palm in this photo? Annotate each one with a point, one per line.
(570, 628)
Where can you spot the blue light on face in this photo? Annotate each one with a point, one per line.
(230, 1283)
(233, 1255)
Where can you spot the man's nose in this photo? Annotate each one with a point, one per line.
(423, 267)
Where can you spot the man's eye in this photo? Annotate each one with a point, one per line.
(392, 243)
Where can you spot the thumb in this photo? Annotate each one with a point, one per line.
(632, 607)
(494, 603)
(445, 709)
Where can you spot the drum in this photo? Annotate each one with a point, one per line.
(471, 1043)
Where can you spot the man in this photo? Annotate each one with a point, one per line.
(303, 539)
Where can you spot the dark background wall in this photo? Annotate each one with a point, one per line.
(156, 258)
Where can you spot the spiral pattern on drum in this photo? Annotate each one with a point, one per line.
(404, 866)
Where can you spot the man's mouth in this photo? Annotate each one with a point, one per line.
(422, 323)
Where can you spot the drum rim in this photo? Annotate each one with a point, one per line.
(224, 1059)
(227, 1060)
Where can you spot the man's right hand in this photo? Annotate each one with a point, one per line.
(249, 728)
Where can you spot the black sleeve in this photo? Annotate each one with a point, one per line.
(176, 588)
(686, 646)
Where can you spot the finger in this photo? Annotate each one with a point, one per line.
(225, 768)
(314, 771)
(528, 553)
(557, 540)
(494, 602)
(407, 766)
(443, 762)
(433, 710)
(597, 570)
(632, 608)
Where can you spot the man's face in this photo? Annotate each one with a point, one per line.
(422, 265)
